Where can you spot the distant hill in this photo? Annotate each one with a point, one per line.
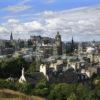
(6, 94)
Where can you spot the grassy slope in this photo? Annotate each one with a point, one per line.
(6, 94)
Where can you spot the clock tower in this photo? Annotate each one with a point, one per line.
(58, 44)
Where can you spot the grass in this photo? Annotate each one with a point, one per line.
(6, 94)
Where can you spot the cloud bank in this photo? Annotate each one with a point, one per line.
(82, 24)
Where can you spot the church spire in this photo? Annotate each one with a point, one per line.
(72, 45)
(11, 37)
(72, 40)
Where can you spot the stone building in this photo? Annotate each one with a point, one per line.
(58, 45)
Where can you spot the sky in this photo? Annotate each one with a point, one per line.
(78, 18)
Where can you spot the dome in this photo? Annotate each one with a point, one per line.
(90, 50)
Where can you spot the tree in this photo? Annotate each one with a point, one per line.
(41, 88)
(61, 91)
(12, 67)
(32, 68)
(82, 92)
(97, 91)
(24, 87)
(72, 97)
(7, 84)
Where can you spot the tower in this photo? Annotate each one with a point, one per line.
(72, 41)
(12, 42)
(72, 45)
(43, 69)
(58, 44)
(11, 37)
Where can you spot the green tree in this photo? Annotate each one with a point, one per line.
(61, 91)
(41, 88)
(32, 68)
(7, 84)
(82, 92)
(72, 97)
(12, 67)
(24, 87)
(97, 91)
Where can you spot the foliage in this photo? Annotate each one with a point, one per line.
(32, 68)
(82, 92)
(6, 84)
(12, 67)
(41, 88)
(24, 87)
(72, 97)
(61, 91)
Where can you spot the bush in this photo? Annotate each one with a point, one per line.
(61, 91)
(41, 88)
(25, 88)
(32, 68)
(7, 84)
(12, 67)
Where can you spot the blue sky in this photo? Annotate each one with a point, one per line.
(14, 8)
(44, 16)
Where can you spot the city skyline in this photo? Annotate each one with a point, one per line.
(79, 19)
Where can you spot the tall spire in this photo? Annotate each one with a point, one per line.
(72, 40)
(11, 37)
(72, 45)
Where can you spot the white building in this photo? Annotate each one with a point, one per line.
(43, 69)
(22, 78)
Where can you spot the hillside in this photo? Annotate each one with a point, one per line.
(6, 94)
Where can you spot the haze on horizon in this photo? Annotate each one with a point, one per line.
(80, 19)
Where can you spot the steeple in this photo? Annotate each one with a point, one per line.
(72, 45)
(72, 41)
(22, 78)
(11, 37)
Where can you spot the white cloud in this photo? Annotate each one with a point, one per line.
(49, 1)
(34, 25)
(13, 21)
(2, 29)
(80, 23)
(18, 7)
(48, 13)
